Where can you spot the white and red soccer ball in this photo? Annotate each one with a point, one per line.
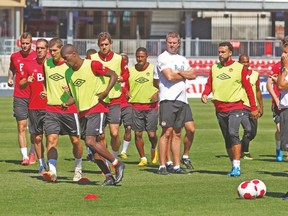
(251, 189)
(261, 188)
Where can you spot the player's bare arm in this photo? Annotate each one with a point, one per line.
(10, 78)
(188, 74)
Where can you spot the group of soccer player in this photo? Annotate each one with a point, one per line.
(64, 94)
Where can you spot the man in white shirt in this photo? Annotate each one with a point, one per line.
(172, 70)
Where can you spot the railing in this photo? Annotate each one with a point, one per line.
(192, 49)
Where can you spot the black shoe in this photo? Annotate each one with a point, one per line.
(110, 181)
(187, 163)
(89, 158)
(181, 171)
(285, 197)
(119, 172)
(170, 168)
(162, 171)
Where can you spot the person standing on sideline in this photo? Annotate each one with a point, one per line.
(250, 124)
(116, 63)
(33, 78)
(21, 97)
(88, 96)
(144, 100)
(275, 94)
(126, 114)
(282, 84)
(226, 81)
(172, 70)
(58, 121)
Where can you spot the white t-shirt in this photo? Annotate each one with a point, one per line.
(171, 90)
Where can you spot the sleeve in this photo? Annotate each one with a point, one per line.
(12, 66)
(248, 88)
(156, 76)
(162, 63)
(208, 85)
(98, 68)
(124, 70)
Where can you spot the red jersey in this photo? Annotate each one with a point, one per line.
(257, 84)
(228, 106)
(124, 73)
(276, 69)
(35, 69)
(17, 62)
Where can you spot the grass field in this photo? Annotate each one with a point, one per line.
(207, 191)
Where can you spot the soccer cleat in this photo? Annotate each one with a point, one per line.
(247, 156)
(90, 158)
(180, 171)
(187, 162)
(170, 168)
(123, 155)
(109, 181)
(279, 155)
(235, 172)
(25, 162)
(162, 171)
(49, 176)
(32, 158)
(42, 170)
(143, 163)
(77, 175)
(119, 172)
(155, 157)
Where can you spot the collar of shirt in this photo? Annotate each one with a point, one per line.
(107, 57)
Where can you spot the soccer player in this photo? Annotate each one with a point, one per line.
(20, 97)
(58, 121)
(282, 85)
(172, 70)
(116, 63)
(226, 81)
(275, 93)
(89, 157)
(84, 78)
(144, 100)
(33, 78)
(250, 124)
(126, 114)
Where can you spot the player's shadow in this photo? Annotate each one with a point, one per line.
(275, 194)
(24, 171)
(211, 172)
(221, 156)
(278, 174)
(17, 162)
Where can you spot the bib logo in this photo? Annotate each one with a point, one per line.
(141, 80)
(223, 76)
(56, 77)
(78, 82)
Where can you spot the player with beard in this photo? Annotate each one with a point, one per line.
(227, 81)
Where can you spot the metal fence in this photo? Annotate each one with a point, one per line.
(192, 49)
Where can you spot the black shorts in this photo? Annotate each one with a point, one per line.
(20, 108)
(36, 121)
(276, 114)
(62, 124)
(145, 120)
(114, 114)
(92, 125)
(188, 113)
(229, 123)
(172, 114)
(126, 116)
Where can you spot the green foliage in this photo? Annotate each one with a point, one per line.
(207, 191)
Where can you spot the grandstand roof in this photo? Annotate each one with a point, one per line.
(247, 5)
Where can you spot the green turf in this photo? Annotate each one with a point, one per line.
(207, 191)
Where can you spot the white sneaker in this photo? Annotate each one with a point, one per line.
(77, 175)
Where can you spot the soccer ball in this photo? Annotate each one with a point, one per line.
(261, 188)
(247, 190)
